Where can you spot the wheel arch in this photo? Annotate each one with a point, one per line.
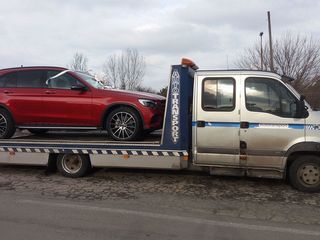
(118, 105)
(2, 106)
(301, 149)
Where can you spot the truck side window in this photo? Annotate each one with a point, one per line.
(270, 96)
(218, 94)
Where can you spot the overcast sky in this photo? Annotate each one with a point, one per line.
(213, 33)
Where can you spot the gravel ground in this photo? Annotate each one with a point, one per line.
(259, 199)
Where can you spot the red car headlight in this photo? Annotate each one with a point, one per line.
(148, 103)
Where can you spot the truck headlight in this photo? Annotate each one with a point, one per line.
(148, 103)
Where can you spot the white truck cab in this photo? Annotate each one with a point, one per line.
(252, 123)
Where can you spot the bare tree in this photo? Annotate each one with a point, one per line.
(163, 91)
(125, 71)
(110, 70)
(295, 56)
(79, 62)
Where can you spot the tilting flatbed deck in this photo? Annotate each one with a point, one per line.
(84, 137)
(32, 149)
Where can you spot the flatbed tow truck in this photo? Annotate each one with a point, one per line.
(231, 122)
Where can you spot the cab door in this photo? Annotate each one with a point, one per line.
(269, 125)
(216, 120)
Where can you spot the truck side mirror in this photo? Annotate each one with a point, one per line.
(301, 108)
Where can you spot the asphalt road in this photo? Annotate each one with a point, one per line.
(29, 217)
(137, 204)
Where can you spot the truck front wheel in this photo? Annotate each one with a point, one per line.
(304, 173)
(73, 165)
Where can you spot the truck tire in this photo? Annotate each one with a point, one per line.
(304, 173)
(73, 165)
(7, 128)
(124, 124)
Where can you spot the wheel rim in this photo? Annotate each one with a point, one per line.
(3, 125)
(71, 163)
(309, 174)
(123, 125)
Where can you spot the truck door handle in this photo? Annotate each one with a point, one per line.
(7, 92)
(201, 123)
(244, 124)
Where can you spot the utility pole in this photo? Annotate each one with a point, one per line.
(261, 51)
(270, 43)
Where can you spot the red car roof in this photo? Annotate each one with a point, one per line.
(16, 69)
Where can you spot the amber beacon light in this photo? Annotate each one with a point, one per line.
(188, 62)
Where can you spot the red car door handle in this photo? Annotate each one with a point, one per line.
(50, 92)
(7, 92)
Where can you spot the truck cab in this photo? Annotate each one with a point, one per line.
(253, 123)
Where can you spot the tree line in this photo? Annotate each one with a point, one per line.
(296, 56)
(122, 71)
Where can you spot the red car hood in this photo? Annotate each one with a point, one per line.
(138, 94)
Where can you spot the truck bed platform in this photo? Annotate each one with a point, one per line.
(79, 137)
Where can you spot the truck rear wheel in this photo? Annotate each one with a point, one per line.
(73, 165)
(304, 173)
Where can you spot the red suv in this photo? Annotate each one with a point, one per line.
(44, 98)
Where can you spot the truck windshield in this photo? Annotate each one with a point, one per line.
(91, 80)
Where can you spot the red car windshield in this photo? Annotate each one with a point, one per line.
(91, 80)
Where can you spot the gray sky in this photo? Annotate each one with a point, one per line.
(49, 32)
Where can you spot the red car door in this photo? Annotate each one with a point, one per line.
(66, 101)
